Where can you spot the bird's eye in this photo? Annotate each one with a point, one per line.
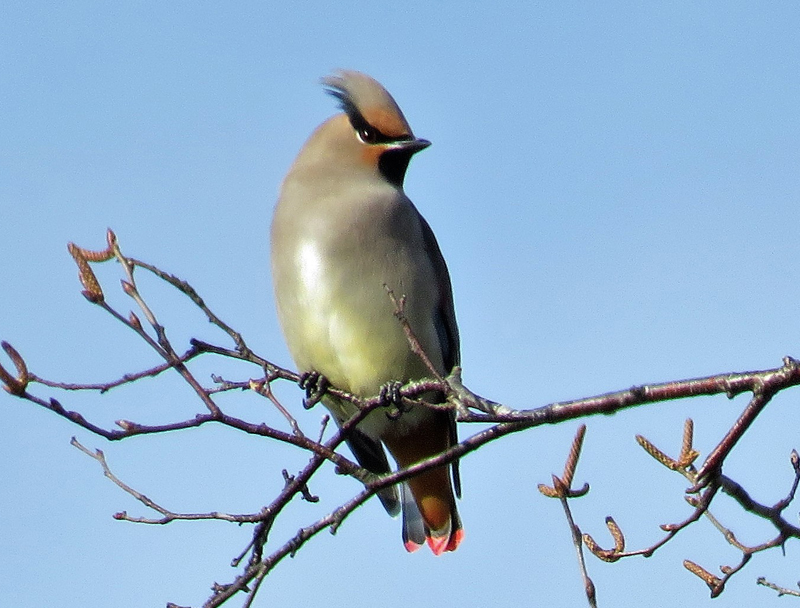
(368, 135)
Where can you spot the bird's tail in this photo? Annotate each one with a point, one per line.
(428, 501)
(430, 516)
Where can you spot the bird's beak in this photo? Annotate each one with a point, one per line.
(412, 146)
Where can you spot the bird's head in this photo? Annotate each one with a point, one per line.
(371, 134)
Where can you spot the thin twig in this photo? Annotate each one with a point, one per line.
(103, 387)
(185, 288)
(577, 542)
(168, 515)
(781, 590)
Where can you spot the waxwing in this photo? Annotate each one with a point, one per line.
(343, 233)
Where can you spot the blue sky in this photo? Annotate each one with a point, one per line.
(615, 189)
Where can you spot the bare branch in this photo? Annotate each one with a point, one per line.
(416, 347)
(190, 292)
(103, 387)
(168, 516)
(781, 590)
(562, 490)
(469, 407)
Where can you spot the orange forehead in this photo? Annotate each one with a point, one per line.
(388, 122)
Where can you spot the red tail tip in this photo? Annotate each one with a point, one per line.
(438, 545)
(445, 543)
(455, 540)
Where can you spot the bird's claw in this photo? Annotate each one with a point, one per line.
(390, 392)
(315, 385)
(391, 396)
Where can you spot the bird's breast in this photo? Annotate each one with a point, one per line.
(333, 302)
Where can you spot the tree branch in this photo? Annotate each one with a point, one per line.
(469, 407)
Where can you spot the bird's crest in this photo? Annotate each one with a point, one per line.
(368, 104)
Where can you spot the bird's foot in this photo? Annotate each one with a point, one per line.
(315, 385)
(392, 398)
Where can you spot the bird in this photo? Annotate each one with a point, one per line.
(343, 233)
